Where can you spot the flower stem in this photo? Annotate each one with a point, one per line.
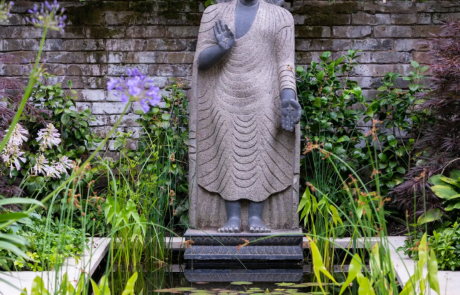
(26, 95)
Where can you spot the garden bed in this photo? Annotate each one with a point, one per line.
(87, 264)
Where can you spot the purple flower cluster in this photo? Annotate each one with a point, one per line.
(5, 12)
(48, 15)
(135, 86)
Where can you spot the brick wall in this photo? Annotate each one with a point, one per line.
(104, 38)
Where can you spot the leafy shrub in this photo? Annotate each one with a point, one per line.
(165, 133)
(336, 114)
(49, 244)
(399, 123)
(445, 242)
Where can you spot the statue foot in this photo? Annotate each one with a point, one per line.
(256, 226)
(232, 226)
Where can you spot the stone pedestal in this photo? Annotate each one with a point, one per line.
(281, 248)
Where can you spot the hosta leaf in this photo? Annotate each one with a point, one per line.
(443, 191)
(430, 216)
(450, 181)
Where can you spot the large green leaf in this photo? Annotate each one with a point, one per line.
(129, 289)
(443, 191)
(436, 180)
(453, 206)
(318, 265)
(10, 201)
(12, 216)
(353, 271)
(430, 216)
(433, 272)
(451, 181)
(455, 174)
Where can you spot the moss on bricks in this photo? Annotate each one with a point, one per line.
(326, 14)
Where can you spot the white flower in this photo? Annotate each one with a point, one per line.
(63, 164)
(18, 136)
(48, 137)
(50, 171)
(41, 165)
(12, 156)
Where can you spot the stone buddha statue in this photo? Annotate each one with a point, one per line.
(244, 141)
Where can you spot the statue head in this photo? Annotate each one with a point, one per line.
(275, 2)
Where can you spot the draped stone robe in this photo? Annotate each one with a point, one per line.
(238, 148)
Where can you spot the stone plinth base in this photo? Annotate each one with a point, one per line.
(283, 247)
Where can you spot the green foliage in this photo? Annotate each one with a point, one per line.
(327, 101)
(448, 189)
(48, 244)
(165, 135)
(446, 245)
(397, 116)
(445, 242)
(76, 137)
(67, 288)
(336, 114)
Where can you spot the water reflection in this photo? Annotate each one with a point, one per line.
(176, 279)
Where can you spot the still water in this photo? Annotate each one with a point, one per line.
(176, 279)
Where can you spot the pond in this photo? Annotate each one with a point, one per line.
(177, 279)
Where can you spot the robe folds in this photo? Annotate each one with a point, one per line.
(238, 148)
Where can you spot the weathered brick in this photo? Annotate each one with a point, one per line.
(312, 32)
(160, 57)
(385, 57)
(121, 70)
(351, 31)
(127, 120)
(166, 45)
(92, 95)
(372, 44)
(180, 70)
(393, 31)
(363, 18)
(408, 19)
(108, 108)
(422, 57)
(83, 45)
(104, 131)
(314, 44)
(182, 32)
(410, 44)
(426, 31)
(125, 45)
(440, 18)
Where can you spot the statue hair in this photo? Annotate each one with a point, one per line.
(275, 2)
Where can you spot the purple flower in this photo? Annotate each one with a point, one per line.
(47, 15)
(135, 86)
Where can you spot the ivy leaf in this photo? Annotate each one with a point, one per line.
(392, 140)
(343, 138)
(65, 118)
(401, 170)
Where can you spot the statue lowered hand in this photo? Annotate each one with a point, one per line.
(290, 110)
